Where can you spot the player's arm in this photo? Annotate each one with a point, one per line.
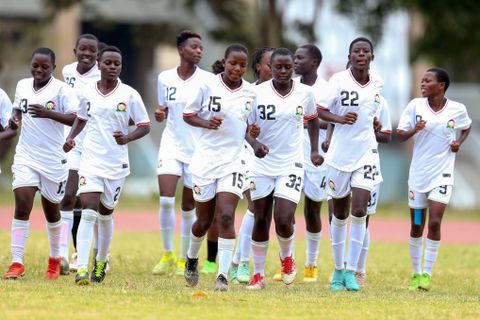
(77, 127)
(39, 111)
(328, 137)
(7, 133)
(194, 120)
(455, 145)
(259, 148)
(348, 118)
(140, 131)
(404, 135)
(161, 113)
(313, 125)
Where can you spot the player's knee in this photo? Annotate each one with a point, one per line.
(225, 219)
(434, 225)
(359, 212)
(89, 215)
(167, 202)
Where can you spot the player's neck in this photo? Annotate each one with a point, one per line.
(106, 86)
(282, 88)
(185, 70)
(309, 78)
(39, 85)
(437, 103)
(81, 70)
(231, 84)
(362, 76)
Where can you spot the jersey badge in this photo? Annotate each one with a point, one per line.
(253, 186)
(411, 195)
(451, 124)
(299, 111)
(248, 106)
(197, 190)
(121, 107)
(82, 181)
(50, 105)
(377, 99)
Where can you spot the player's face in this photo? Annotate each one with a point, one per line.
(263, 67)
(303, 62)
(282, 68)
(361, 55)
(110, 65)
(191, 50)
(41, 67)
(430, 86)
(235, 65)
(86, 53)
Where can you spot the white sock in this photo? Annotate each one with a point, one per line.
(105, 235)
(362, 260)
(195, 245)
(355, 244)
(313, 243)
(245, 236)
(292, 245)
(338, 235)
(430, 256)
(20, 232)
(166, 215)
(54, 233)
(259, 253)
(285, 246)
(416, 248)
(84, 237)
(225, 252)
(188, 218)
(95, 236)
(67, 223)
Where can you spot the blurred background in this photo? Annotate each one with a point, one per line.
(409, 36)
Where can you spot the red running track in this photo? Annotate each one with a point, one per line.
(385, 230)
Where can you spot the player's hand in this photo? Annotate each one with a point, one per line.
(260, 149)
(161, 114)
(120, 138)
(316, 159)
(68, 145)
(377, 125)
(349, 118)
(37, 111)
(455, 146)
(13, 123)
(214, 123)
(253, 130)
(420, 125)
(325, 145)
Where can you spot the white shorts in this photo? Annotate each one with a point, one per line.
(419, 200)
(205, 189)
(288, 186)
(177, 168)
(73, 159)
(340, 183)
(24, 176)
(315, 185)
(110, 189)
(373, 201)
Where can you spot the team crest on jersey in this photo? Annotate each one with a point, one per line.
(248, 106)
(451, 124)
(121, 107)
(299, 111)
(82, 181)
(197, 190)
(253, 186)
(411, 195)
(331, 184)
(50, 105)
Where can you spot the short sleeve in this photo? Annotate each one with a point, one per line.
(323, 96)
(138, 112)
(310, 107)
(69, 100)
(407, 119)
(5, 108)
(194, 104)
(384, 116)
(463, 120)
(161, 92)
(331, 98)
(17, 100)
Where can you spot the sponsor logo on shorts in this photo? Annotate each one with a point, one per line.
(197, 190)
(331, 184)
(451, 124)
(121, 107)
(124, 165)
(411, 195)
(299, 111)
(50, 105)
(253, 186)
(447, 175)
(82, 181)
(298, 165)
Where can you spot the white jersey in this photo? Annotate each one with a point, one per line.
(41, 140)
(383, 115)
(219, 152)
(5, 109)
(280, 119)
(178, 138)
(321, 91)
(102, 156)
(78, 82)
(350, 143)
(433, 161)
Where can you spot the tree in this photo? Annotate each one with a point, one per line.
(451, 30)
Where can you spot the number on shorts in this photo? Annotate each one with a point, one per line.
(324, 183)
(117, 193)
(88, 109)
(295, 182)
(237, 180)
(61, 186)
(443, 189)
(267, 112)
(370, 172)
(372, 200)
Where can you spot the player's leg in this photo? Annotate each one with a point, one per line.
(188, 218)
(245, 242)
(418, 203)
(66, 211)
(210, 265)
(167, 184)
(54, 229)
(20, 228)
